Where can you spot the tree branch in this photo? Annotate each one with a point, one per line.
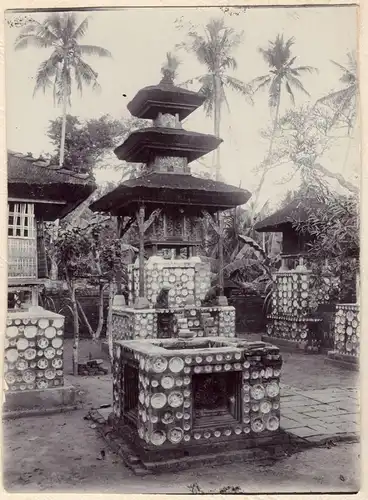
(341, 180)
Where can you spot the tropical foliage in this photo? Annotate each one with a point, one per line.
(89, 144)
(303, 141)
(283, 76)
(344, 101)
(61, 33)
(214, 50)
(336, 232)
(93, 254)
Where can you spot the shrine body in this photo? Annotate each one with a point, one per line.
(180, 376)
(38, 192)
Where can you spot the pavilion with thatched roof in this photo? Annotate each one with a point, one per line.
(38, 191)
(294, 242)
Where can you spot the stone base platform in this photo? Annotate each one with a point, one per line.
(39, 401)
(285, 344)
(143, 463)
(343, 360)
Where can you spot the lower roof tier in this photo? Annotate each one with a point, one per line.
(160, 189)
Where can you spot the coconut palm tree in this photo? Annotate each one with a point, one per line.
(61, 33)
(213, 49)
(283, 76)
(344, 100)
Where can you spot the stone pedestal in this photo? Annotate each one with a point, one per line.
(33, 366)
(291, 324)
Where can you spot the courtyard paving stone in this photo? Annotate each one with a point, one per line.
(316, 415)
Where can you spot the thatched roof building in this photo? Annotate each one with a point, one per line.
(38, 181)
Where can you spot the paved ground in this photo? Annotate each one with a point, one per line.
(61, 452)
(320, 413)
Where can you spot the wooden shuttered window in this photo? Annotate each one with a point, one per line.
(22, 241)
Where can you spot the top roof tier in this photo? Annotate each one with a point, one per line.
(164, 98)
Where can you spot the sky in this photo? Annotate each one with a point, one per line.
(139, 39)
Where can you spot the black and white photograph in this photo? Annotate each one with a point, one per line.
(183, 250)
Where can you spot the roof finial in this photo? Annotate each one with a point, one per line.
(169, 69)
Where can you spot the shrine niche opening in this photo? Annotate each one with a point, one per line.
(217, 399)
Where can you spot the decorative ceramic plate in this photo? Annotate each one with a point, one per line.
(354, 323)
(175, 435)
(10, 378)
(43, 323)
(158, 438)
(49, 352)
(350, 315)
(50, 332)
(58, 323)
(50, 374)
(12, 355)
(175, 399)
(272, 389)
(268, 372)
(272, 423)
(167, 382)
(42, 363)
(154, 383)
(257, 425)
(176, 364)
(265, 407)
(57, 342)
(57, 362)
(22, 344)
(167, 418)
(30, 332)
(42, 342)
(12, 331)
(29, 376)
(21, 364)
(158, 400)
(42, 384)
(159, 365)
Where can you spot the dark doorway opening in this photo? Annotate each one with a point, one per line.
(217, 399)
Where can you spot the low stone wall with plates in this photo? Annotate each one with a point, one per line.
(129, 323)
(154, 388)
(347, 330)
(33, 350)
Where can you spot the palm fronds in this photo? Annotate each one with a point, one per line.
(61, 32)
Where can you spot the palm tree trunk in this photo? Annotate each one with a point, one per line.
(63, 129)
(268, 159)
(217, 121)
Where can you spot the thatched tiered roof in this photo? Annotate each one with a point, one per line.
(296, 211)
(166, 188)
(36, 179)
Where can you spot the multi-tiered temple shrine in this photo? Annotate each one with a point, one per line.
(180, 377)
